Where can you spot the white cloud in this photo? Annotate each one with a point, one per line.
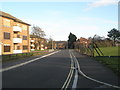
(80, 26)
(99, 3)
(94, 20)
(46, 0)
(103, 3)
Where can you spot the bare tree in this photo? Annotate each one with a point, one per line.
(50, 41)
(38, 34)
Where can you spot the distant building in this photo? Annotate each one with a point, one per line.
(85, 42)
(14, 35)
(61, 44)
(37, 43)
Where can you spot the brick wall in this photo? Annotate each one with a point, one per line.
(13, 35)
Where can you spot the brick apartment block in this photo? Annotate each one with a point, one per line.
(84, 41)
(14, 35)
(37, 43)
(61, 44)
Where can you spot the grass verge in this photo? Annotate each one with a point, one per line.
(111, 62)
(22, 56)
(109, 51)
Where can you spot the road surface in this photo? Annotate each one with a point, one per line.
(61, 69)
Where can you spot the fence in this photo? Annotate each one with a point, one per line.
(88, 49)
(112, 62)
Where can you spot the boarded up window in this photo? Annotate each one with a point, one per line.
(25, 47)
(6, 35)
(6, 48)
(24, 37)
(6, 22)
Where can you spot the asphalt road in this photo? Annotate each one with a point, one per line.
(96, 71)
(60, 71)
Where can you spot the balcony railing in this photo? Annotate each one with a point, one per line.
(17, 40)
(32, 49)
(32, 45)
(17, 51)
(42, 45)
(32, 41)
(17, 29)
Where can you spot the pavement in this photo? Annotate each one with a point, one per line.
(97, 71)
(52, 72)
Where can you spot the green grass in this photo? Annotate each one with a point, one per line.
(108, 51)
(111, 62)
(16, 57)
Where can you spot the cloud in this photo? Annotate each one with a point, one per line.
(80, 26)
(100, 3)
(46, 0)
(93, 20)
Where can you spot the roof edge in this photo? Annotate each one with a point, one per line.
(15, 19)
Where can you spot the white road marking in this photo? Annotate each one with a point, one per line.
(107, 84)
(71, 72)
(21, 64)
(74, 86)
(73, 67)
(67, 81)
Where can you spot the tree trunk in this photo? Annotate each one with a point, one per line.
(114, 42)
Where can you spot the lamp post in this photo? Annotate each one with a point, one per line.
(52, 44)
(93, 44)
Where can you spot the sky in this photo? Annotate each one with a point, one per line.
(84, 18)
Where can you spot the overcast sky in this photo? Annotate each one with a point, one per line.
(84, 18)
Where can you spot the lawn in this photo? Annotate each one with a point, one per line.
(16, 57)
(109, 51)
(111, 62)
(110, 58)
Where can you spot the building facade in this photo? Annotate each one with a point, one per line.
(14, 35)
(85, 42)
(37, 43)
(61, 44)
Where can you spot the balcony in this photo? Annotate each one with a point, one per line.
(42, 48)
(17, 40)
(42, 45)
(17, 51)
(32, 41)
(32, 49)
(32, 45)
(17, 29)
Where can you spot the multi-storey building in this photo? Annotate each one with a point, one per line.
(14, 35)
(61, 44)
(37, 43)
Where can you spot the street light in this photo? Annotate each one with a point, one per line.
(52, 44)
(94, 37)
(93, 44)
